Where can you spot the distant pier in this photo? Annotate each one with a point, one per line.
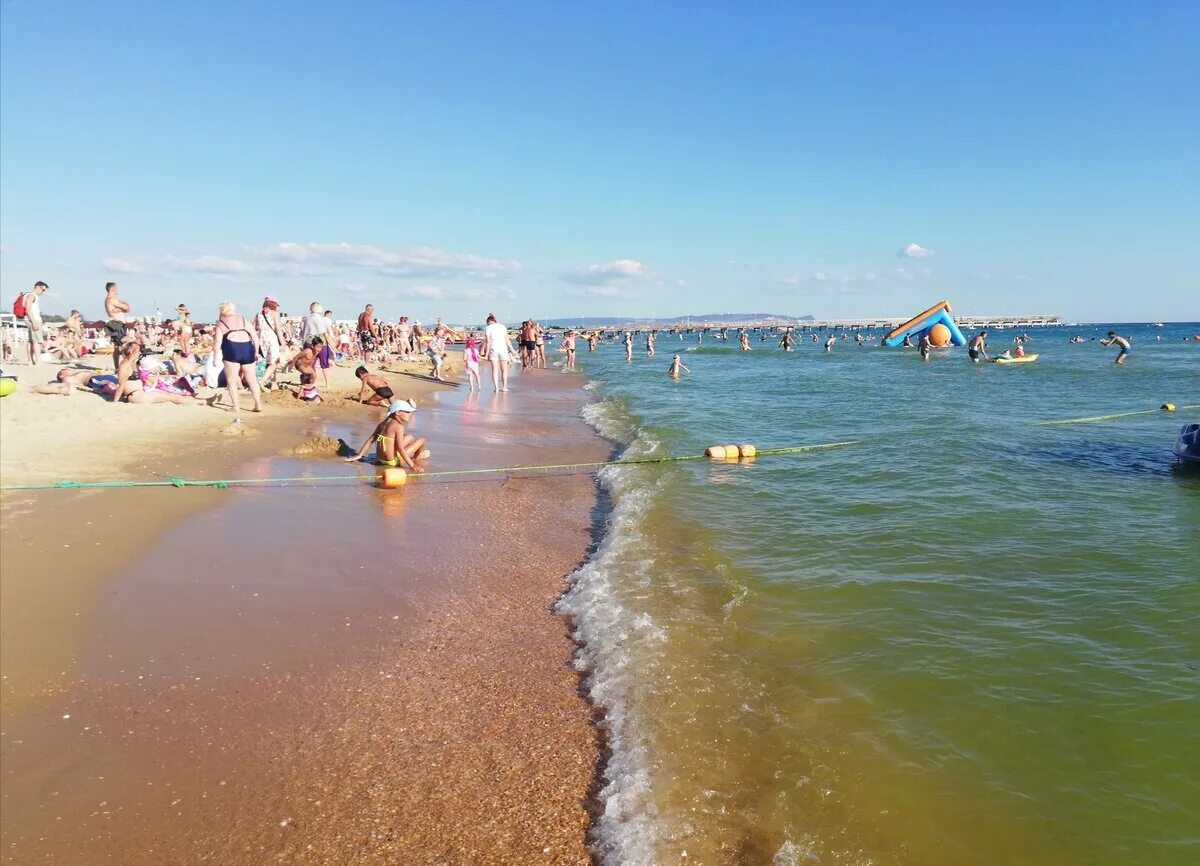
(874, 323)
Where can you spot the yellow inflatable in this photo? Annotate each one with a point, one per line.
(392, 477)
(7, 386)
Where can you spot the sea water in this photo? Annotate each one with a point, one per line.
(965, 639)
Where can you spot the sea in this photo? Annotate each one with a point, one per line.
(963, 639)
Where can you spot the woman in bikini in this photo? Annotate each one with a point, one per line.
(183, 328)
(238, 346)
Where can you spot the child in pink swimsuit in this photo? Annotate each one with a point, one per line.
(471, 359)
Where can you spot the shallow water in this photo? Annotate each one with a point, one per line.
(966, 639)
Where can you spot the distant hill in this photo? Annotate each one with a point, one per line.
(703, 318)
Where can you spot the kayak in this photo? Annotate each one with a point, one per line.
(1026, 359)
(1187, 446)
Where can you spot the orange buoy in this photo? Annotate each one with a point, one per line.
(392, 477)
(747, 451)
(717, 452)
(939, 335)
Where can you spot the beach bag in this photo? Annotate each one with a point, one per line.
(19, 306)
(213, 372)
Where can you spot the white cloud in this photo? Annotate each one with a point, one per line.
(290, 259)
(121, 266)
(393, 292)
(601, 291)
(850, 281)
(418, 261)
(608, 272)
(914, 251)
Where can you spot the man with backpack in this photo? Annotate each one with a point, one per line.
(26, 307)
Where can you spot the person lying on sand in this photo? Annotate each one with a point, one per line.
(394, 447)
(380, 391)
(128, 387)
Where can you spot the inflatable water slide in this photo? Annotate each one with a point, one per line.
(936, 322)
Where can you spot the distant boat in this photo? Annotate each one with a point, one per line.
(1158, 325)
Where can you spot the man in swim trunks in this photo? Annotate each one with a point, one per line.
(376, 386)
(394, 447)
(368, 331)
(1126, 346)
(116, 310)
(977, 348)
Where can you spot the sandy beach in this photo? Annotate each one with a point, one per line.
(303, 673)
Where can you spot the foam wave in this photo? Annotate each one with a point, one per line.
(612, 639)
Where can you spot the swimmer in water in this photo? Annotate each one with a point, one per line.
(829, 341)
(676, 366)
(924, 347)
(628, 346)
(978, 347)
(1126, 347)
(787, 340)
(744, 341)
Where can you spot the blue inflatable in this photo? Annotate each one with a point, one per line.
(928, 322)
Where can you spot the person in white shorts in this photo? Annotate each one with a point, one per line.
(499, 351)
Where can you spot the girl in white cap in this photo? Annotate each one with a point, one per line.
(394, 447)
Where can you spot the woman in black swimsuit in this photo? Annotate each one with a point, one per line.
(237, 343)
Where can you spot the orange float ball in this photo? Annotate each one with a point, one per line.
(939, 335)
(393, 477)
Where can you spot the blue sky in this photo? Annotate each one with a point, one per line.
(553, 159)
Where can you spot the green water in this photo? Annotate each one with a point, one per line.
(965, 640)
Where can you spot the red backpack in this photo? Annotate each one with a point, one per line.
(19, 306)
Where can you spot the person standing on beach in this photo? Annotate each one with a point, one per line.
(270, 339)
(498, 350)
(977, 348)
(1115, 338)
(116, 310)
(33, 319)
(314, 325)
(368, 331)
(183, 328)
(237, 342)
(569, 345)
(471, 362)
(404, 336)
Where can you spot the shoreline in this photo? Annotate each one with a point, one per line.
(533, 760)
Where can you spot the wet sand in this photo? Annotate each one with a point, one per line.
(330, 675)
